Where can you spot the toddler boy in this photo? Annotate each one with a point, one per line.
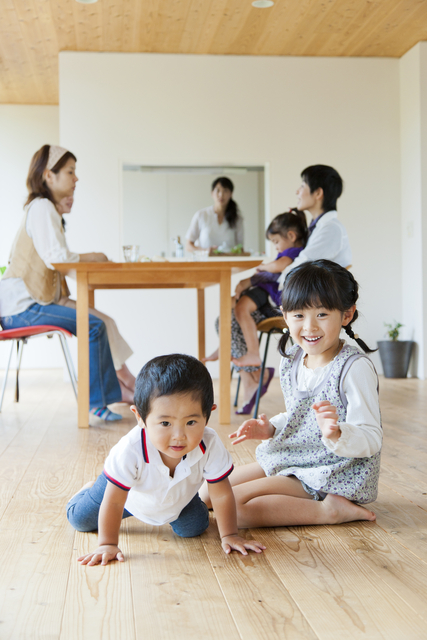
(157, 469)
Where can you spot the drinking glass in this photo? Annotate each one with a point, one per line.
(131, 252)
(200, 255)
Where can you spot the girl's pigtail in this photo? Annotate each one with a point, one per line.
(283, 341)
(303, 230)
(354, 336)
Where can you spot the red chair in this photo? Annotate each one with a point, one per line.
(21, 337)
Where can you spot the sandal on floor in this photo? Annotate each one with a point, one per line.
(247, 408)
(269, 379)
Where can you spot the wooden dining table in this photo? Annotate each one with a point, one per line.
(177, 274)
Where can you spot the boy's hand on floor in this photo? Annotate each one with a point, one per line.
(238, 543)
(254, 429)
(103, 555)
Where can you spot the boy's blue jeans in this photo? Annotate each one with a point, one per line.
(104, 386)
(83, 509)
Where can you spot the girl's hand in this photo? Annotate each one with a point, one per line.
(93, 257)
(264, 267)
(103, 555)
(99, 257)
(260, 429)
(238, 543)
(65, 205)
(327, 419)
(242, 286)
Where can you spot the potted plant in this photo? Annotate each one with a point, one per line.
(395, 354)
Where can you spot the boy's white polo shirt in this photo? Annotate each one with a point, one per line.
(135, 465)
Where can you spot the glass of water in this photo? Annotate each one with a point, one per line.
(131, 252)
(201, 254)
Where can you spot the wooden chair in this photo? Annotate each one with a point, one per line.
(21, 337)
(267, 326)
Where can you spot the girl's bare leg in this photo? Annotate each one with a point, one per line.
(250, 382)
(215, 354)
(280, 501)
(243, 310)
(126, 378)
(127, 395)
(244, 473)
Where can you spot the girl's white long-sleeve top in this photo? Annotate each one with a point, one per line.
(44, 226)
(361, 434)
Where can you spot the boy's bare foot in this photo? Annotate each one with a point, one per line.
(214, 356)
(339, 510)
(85, 486)
(248, 360)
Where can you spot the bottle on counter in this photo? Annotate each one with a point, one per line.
(179, 247)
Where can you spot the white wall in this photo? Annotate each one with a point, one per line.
(23, 130)
(286, 113)
(413, 92)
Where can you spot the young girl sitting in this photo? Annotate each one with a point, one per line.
(288, 233)
(321, 457)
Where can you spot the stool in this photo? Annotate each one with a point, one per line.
(21, 337)
(267, 326)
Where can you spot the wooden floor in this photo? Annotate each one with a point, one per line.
(359, 580)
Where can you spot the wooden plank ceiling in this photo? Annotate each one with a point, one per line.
(32, 32)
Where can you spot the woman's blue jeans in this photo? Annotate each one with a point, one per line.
(104, 385)
(83, 510)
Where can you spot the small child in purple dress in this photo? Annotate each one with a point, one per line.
(288, 233)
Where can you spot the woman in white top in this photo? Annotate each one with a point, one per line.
(217, 225)
(51, 183)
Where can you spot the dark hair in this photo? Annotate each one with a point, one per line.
(175, 373)
(321, 283)
(320, 176)
(291, 220)
(36, 184)
(231, 213)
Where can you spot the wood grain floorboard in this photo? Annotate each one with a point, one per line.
(37, 542)
(259, 602)
(339, 594)
(100, 609)
(403, 520)
(99, 599)
(399, 568)
(174, 579)
(359, 580)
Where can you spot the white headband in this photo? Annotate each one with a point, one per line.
(55, 154)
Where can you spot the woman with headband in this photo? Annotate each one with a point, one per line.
(33, 293)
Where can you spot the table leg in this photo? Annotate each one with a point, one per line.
(201, 322)
(224, 347)
(83, 349)
(92, 298)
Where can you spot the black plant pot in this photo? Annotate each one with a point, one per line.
(395, 357)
